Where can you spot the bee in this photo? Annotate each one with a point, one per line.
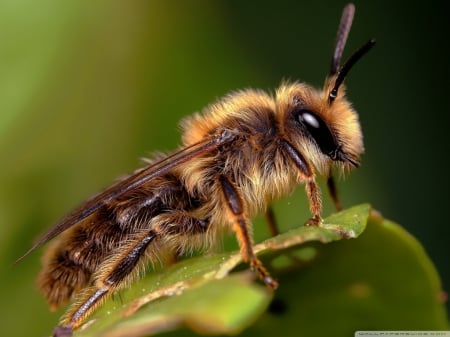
(237, 156)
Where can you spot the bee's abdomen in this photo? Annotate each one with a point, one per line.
(71, 261)
(69, 264)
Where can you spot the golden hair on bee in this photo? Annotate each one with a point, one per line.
(237, 156)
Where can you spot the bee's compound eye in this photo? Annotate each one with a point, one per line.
(318, 130)
(309, 119)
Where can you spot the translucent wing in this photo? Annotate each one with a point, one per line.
(132, 182)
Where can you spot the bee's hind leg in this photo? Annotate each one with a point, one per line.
(109, 278)
(112, 274)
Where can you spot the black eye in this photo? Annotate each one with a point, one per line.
(318, 130)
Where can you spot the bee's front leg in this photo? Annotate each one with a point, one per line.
(315, 203)
(306, 173)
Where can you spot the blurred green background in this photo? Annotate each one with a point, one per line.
(89, 87)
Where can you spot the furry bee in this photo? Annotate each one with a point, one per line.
(237, 156)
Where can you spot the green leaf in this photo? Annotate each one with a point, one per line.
(203, 294)
(382, 281)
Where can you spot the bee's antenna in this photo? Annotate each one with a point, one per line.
(347, 66)
(341, 38)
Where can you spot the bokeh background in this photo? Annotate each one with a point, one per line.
(89, 87)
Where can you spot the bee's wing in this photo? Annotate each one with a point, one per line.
(135, 180)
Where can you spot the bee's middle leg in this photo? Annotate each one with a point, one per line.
(271, 221)
(241, 226)
(332, 190)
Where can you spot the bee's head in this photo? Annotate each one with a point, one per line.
(322, 124)
(324, 132)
